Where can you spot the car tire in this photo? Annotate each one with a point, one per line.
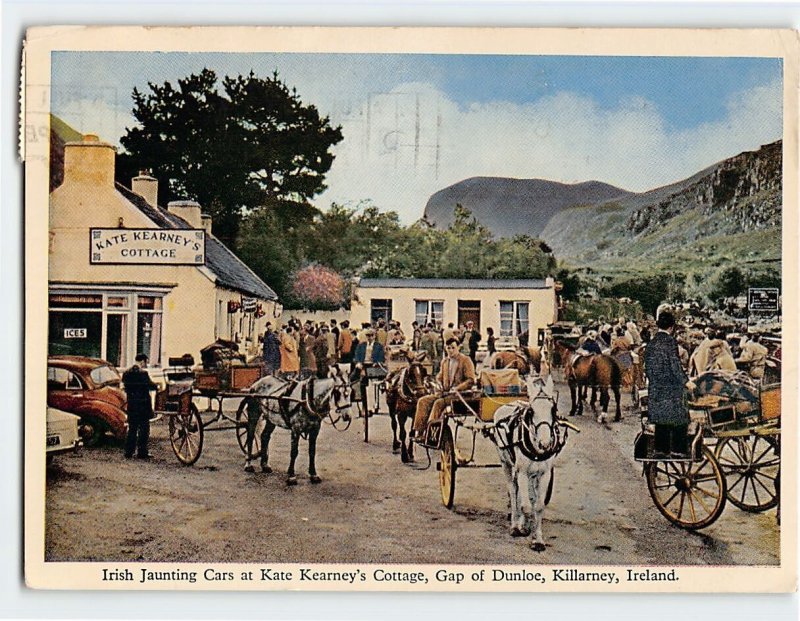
(91, 431)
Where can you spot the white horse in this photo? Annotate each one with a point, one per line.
(528, 437)
(298, 407)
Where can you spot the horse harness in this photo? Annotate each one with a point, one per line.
(288, 405)
(517, 431)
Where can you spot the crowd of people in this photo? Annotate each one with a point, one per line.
(701, 347)
(303, 349)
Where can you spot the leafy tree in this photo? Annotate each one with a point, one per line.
(730, 283)
(234, 149)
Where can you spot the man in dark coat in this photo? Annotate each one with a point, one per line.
(138, 385)
(667, 382)
(272, 351)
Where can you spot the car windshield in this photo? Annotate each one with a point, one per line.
(104, 375)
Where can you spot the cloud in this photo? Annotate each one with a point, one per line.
(402, 146)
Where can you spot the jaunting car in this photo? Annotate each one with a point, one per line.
(90, 389)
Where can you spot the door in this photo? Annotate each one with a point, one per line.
(469, 310)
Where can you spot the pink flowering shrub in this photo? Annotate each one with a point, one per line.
(317, 287)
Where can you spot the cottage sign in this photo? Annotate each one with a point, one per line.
(147, 246)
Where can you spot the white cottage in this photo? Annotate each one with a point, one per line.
(510, 307)
(127, 275)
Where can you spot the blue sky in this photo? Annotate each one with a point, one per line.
(416, 123)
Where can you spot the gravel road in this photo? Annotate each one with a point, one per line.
(371, 508)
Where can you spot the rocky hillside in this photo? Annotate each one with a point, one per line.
(731, 210)
(513, 206)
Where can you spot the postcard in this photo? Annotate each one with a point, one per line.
(410, 309)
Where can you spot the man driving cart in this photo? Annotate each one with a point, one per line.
(456, 375)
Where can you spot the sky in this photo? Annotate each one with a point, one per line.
(414, 123)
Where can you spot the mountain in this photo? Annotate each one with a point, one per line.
(727, 213)
(512, 206)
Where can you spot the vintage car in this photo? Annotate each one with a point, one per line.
(90, 389)
(62, 433)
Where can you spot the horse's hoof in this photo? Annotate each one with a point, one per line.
(404, 458)
(266, 469)
(249, 468)
(617, 419)
(314, 479)
(537, 546)
(291, 481)
(520, 532)
(395, 446)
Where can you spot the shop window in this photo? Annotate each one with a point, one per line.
(148, 336)
(117, 339)
(101, 325)
(76, 301)
(75, 333)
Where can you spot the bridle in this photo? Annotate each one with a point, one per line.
(411, 394)
(520, 431)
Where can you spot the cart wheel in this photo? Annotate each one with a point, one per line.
(241, 430)
(549, 493)
(186, 436)
(689, 494)
(750, 465)
(447, 468)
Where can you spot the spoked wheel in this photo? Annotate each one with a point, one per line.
(186, 436)
(689, 494)
(750, 465)
(447, 468)
(241, 430)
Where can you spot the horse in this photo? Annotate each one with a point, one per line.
(598, 371)
(404, 387)
(561, 353)
(525, 360)
(298, 406)
(529, 437)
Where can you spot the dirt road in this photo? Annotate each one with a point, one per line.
(372, 508)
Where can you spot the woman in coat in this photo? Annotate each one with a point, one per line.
(290, 360)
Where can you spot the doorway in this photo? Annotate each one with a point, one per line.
(469, 310)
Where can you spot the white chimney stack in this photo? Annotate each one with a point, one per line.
(146, 186)
(89, 161)
(206, 221)
(188, 210)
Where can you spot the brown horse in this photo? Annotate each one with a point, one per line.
(524, 360)
(561, 353)
(600, 372)
(404, 387)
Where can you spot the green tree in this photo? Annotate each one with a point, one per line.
(235, 149)
(730, 283)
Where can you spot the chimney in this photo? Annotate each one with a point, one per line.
(146, 186)
(89, 161)
(188, 210)
(205, 219)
